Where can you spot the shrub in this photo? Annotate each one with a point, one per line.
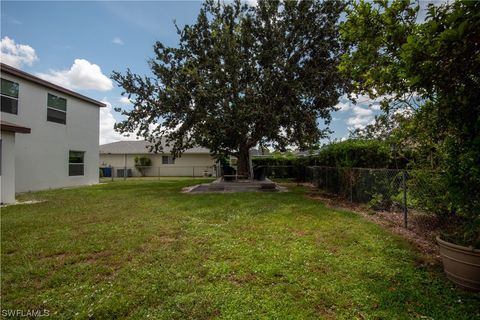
(356, 153)
(353, 153)
(141, 162)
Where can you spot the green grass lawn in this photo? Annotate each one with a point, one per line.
(141, 249)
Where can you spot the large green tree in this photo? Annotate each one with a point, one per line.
(241, 77)
(436, 62)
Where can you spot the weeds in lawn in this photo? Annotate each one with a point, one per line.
(141, 249)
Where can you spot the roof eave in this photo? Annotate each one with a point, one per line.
(26, 76)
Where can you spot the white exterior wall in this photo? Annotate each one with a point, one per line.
(41, 158)
(186, 165)
(7, 177)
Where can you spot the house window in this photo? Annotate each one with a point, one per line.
(56, 109)
(75, 163)
(168, 160)
(9, 96)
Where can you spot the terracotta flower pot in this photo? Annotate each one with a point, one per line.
(461, 264)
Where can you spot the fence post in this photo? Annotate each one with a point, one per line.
(125, 167)
(405, 209)
(158, 172)
(193, 172)
(350, 170)
(326, 179)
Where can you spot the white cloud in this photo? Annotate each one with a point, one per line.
(361, 117)
(83, 75)
(252, 3)
(124, 100)
(16, 55)
(361, 99)
(107, 121)
(343, 107)
(118, 41)
(359, 122)
(404, 112)
(359, 111)
(345, 104)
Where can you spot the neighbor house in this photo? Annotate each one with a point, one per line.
(120, 157)
(50, 132)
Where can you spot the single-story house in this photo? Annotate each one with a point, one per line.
(118, 159)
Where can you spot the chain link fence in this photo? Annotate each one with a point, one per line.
(124, 173)
(284, 173)
(410, 196)
(405, 197)
(279, 173)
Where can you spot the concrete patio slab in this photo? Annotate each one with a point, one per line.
(221, 186)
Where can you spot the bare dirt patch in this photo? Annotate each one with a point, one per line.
(98, 256)
(59, 256)
(242, 279)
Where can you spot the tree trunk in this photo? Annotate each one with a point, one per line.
(243, 162)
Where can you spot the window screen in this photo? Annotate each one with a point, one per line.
(56, 109)
(9, 96)
(75, 163)
(168, 160)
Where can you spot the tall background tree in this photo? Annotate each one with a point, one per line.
(241, 77)
(436, 62)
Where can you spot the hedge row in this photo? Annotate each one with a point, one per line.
(349, 153)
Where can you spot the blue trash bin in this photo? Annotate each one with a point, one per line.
(107, 172)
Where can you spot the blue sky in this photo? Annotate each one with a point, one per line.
(79, 44)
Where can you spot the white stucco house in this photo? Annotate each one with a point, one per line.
(121, 155)
(62, 148)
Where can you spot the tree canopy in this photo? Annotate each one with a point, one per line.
(436, 62)
(241, 77)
